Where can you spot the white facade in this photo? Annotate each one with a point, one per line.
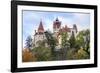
(39, 37)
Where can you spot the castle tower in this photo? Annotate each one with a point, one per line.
(40, 28)
(56, 25)
(39, 35)
(75, 28)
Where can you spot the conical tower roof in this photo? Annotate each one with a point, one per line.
(57, 19)
(40, 28)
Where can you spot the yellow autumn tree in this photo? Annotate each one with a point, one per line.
(28, 56)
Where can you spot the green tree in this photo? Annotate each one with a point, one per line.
(64, 36)
(83, 40)
(51, 41)
(65, 45)
(28, 42)
(72, 40)
(87, 41)
(42, 53)
(80, 38)
(41, 43)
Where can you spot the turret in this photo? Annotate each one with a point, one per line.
(75, 28)
(40, 28)
(56, 25)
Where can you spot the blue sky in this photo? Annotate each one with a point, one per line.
(31, 20)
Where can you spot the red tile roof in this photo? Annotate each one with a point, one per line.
(65, 29)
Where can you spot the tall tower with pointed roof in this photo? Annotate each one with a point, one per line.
(39, 35)
(40, 28)
(56, 25)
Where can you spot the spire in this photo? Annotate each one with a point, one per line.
(56, 23)
(40, 29)
(57, 19)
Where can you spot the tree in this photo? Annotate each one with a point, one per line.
(87, 41)
(83, 40)
(41, 43)
(64, 36)
(80, 40)
(28, 42)
(42, 53)
(65, 45)
(72, 40)
(51, 41)
(28, 56)
(81, 54)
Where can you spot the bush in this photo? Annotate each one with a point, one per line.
(82, 54)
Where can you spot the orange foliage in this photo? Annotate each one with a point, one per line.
(28, 56)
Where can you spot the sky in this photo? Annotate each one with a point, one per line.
(31, 20)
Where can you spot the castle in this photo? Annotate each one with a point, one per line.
(57, 30)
